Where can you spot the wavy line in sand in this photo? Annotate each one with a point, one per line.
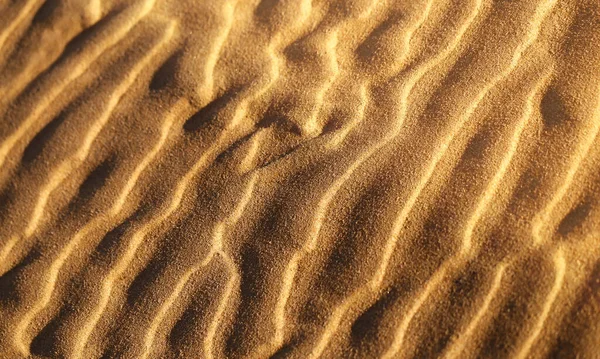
(275, 71)
(457, 345)
(208, 341)
(274, 49)
(114, 212)
(430, 286)
(248, 162)
(21, 16)
(6, 250)
(67, 166)
(309, 246)
(417, 74)
(181, 283)
(511, 151)
(340, 311)
(408, 38)
(136, 240)
(467, 251)
(277, 60)
(175, 202)
(208, 86)
(560, 267)
(183, 184)
(162, 312)
(312, 127)
(340, 135)
(539, 15)
(11, 88)
(583, 148)
(331, 328)
(77, 71)
(216, 249)
(81, 63)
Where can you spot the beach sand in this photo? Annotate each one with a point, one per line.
(299, 179)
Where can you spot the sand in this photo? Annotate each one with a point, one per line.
(299, 179)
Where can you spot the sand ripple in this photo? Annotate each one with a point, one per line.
(304, 179)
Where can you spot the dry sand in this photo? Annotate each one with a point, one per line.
(299, 178)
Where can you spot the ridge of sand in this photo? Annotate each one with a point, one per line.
(302, 179)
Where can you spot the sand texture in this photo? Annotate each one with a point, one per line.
(299, 179)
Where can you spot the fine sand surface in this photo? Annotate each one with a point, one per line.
(299, 179)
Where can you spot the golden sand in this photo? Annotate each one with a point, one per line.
(299, 179)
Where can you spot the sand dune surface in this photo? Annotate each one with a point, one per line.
(299, 179)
